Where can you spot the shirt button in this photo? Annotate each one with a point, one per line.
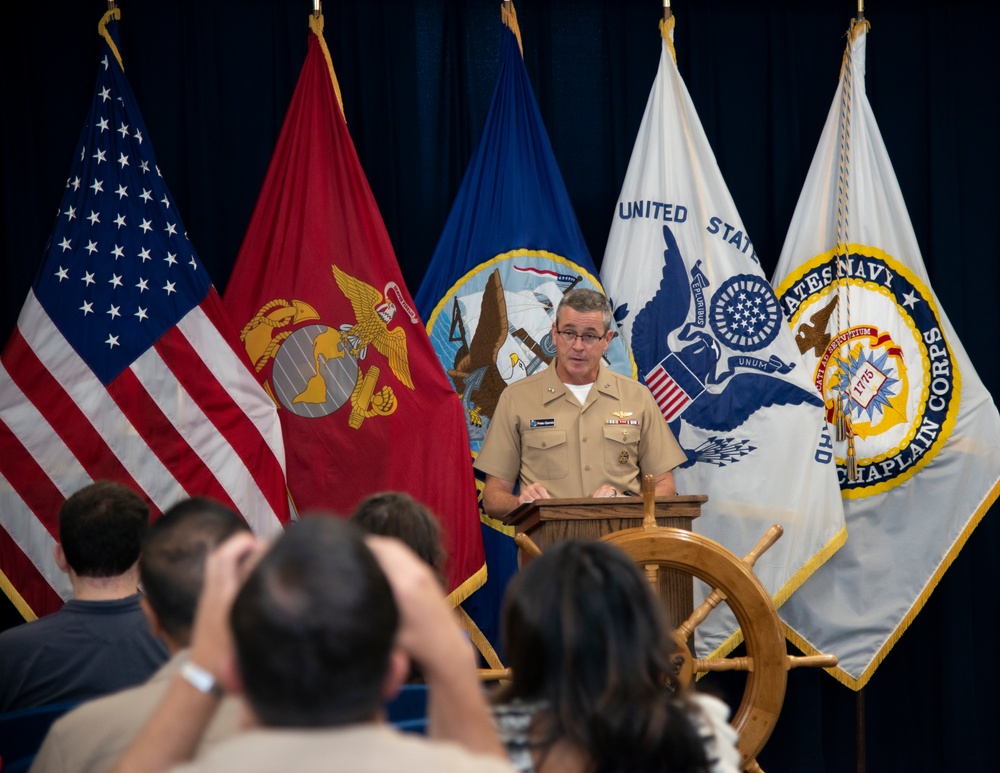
(587, 468)
(543, 445)
(584, 440)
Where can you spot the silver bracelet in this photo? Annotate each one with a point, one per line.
(200, 679)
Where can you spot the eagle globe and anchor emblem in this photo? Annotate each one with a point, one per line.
(316, 369)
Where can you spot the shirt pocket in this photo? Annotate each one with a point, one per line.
(621, 449)
(546, 454)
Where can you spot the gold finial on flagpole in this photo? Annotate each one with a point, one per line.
(666, 9)
(861, 10)
(317, 8)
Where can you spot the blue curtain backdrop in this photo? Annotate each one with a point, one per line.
(213, 80)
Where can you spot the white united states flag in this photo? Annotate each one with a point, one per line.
(706, 332)
(123, 365)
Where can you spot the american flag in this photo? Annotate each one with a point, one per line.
(124, 364)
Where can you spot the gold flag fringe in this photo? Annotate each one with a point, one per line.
(667, 33)
(857, 27)
(22, 606)
(856, 684)
(468, 587)
(509, 17)
(102, 30)
(316, 26)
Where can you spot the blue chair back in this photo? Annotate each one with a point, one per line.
(22, 733)
(408, 710)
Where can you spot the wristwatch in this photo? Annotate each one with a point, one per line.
(200, 679)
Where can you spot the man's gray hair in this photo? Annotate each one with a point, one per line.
(586, 301)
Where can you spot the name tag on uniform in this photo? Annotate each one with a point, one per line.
(534, 423)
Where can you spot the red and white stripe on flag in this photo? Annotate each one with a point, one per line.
(187, 418)
(668, 394)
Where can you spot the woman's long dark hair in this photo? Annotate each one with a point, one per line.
(584, 632)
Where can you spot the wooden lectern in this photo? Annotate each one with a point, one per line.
(547, 521)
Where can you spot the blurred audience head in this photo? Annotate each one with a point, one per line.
(586, 636)
(314, 626)
(172, 562)
(397, 514)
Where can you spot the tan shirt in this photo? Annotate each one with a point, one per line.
(361, 748)
(541, 434)
(92, 737)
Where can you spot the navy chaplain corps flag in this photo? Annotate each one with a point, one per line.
(920, 427)
(509, 250)
(123, 365)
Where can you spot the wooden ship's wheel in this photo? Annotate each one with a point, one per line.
(766, 662)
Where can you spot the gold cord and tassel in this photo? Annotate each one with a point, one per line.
(840, 419)
(852, 459)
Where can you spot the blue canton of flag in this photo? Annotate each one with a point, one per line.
(123, 270)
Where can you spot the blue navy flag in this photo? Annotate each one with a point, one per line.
(509, 250)
(707, 334)
(124, 364)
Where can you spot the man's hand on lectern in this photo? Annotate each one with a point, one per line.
(532, 492)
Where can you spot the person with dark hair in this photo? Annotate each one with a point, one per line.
(576, 428)
(99, 641)
(90, 738)
(319, 588)
(397, 514)
(592, 687)
(315, 639)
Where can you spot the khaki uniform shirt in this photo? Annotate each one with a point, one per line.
(541, 434)
(92, 737)
(360, 748)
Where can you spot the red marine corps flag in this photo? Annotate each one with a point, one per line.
(331, 329)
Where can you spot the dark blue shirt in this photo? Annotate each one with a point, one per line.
(86, 649)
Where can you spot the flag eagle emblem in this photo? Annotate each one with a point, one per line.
(316, 368)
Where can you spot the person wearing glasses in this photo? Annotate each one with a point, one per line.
(576, 428)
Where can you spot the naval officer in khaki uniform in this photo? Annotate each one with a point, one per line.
(577, 428)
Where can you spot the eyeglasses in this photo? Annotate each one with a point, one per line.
(589, 339)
